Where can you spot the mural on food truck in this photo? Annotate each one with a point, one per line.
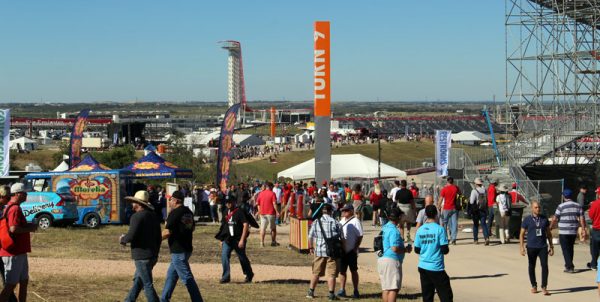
(98, 192)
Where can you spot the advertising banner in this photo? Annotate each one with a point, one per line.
(77, 137)
(443, 142)
(5, 136)
(225, 145)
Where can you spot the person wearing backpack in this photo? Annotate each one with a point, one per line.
(389, 264)
(504, 204)
(325, 243)
(352, 235)
(478, 211)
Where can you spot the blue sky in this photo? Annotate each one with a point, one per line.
(110, 50)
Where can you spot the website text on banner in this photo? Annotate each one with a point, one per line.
(443, 143)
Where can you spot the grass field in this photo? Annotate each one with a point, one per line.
(100, 289)
(391, 153)
(102, 243)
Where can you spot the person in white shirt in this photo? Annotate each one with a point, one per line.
(352, 235)
(504, 203)
(478, 210)
(393, 191)
(278, 193)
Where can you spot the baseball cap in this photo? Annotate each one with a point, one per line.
(348, 207)
(17, 188)
(514, 185)
(598, 190)
(566, 192)
(478, 181)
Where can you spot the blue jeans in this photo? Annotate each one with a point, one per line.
(594, 247)
(450, 217)
(180, 269)
(477, 220)
(490, 219)
(143, 279)
(226, 254)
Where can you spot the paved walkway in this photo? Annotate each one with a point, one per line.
(496, 272)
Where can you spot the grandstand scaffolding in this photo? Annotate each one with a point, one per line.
(552, 75)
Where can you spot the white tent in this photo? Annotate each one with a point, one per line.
(344, 166)
(23, 143)
(470, 137)
(62, 167)
(238, 139)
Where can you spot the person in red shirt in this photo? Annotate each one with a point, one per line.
(515, 196)
(449, 212)
(267, 209)
(15, 259)
(595, 232)
(491, 196)
(285, 202)
(414, 189)
(375, 198)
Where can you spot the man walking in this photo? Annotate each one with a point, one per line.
(539, 237)
(352, 235)
(431, 244)
(278, 192)
(491, 197)
(179, 231)
(595, 232)
(266, 201)
(568, 217)
(16, 263)
(389, 265)
(144, 236)
(324, 264)
(478, 209)
(233, 235)
(406, 203)
(449, 212)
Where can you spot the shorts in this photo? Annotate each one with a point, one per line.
(375, 208)
(325, 266)
(16, 268)
(390, 273)
(409, 213)
(279, 208)
(267, 220)
(358, 206)
(349, 260)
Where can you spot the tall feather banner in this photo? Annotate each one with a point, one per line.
(77, 137)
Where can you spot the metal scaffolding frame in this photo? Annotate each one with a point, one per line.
(552, 53)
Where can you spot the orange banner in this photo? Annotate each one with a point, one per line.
(322, 69)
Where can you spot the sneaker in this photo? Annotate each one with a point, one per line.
(332, 297)
(356, 295)
(310, 294)
(223, 281)
(249, 278)
(569, 271)
(589, 265)
(274, 243)
(476, 242)
(487, 242)
(341, 293)
(453, 242)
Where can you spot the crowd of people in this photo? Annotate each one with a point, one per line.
(337, 212)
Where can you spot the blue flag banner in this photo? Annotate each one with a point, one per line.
(225, 146)
(443, 142)
(77, 137)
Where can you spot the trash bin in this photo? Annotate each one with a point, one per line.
(514, 223)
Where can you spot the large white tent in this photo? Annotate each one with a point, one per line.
(344, 166)
(23, 143)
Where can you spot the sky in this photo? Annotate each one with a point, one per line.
(115, 50)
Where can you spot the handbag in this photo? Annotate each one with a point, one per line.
(7, 240)
(333, 245)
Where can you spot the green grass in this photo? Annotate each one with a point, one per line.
(100, 289)
(391, 153)
(102, 243)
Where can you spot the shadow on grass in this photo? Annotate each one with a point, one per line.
(289, 281)
(572, 290)
(376, 295)
(478, 277)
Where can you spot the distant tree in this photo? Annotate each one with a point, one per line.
(63, 149)
(116, 158)
(183, 157)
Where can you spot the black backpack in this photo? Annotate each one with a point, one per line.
(378, 244)
(333, 244)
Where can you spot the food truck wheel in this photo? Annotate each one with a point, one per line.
(44, 221)
(91, 220)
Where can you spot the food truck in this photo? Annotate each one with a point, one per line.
(99, 191)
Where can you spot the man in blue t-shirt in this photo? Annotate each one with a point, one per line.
(389, 265)
(539, 236)
(431, 244)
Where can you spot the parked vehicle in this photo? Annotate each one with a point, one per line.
(50, 208)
